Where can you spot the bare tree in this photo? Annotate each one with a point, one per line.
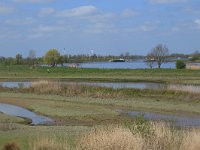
(32, 58)
(159, 54)
(150, 62)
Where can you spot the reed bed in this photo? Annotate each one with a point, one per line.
(46, 87)
(185, 88)
(117, 137)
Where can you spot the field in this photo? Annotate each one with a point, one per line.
(79, 110)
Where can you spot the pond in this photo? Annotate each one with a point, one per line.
(176, 120)
(15, 84)
(114, 85)
(122, 85)
(24, 113)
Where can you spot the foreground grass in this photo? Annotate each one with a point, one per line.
(23, 135)
(139, 136)
(15, 72)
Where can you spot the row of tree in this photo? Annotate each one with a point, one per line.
(157, 56)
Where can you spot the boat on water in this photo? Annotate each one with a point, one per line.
(117, 60)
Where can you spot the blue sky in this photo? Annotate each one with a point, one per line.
(101, 26)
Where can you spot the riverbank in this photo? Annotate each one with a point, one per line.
(24, 73)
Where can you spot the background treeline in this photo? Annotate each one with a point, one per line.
(33, 60)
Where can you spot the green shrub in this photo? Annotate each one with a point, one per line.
(139, 125)
(180, 64)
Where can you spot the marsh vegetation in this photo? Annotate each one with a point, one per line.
(83, 113)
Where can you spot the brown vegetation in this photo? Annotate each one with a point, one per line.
(11, 146)
(47, 144)
(185, 88)
(115, 137)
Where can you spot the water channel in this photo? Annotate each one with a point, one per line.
(183, 121)
(24, 113)
(114, 85)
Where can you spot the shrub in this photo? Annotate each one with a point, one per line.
(139, 125)
(11, 146)
(180, 64)
(110, 138)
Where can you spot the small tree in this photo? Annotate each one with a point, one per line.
(51, 57)
(160, 54)
(180, 64)
(32, 58)
(18, 59)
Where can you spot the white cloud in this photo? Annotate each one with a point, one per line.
(197, 21)
(167, 1)
(32, 1)
(4, 10)
(128, 13)
(46, 11)
(78, 12)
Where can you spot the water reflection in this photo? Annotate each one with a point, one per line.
(15, 84)
(114, 85)
(22, 112)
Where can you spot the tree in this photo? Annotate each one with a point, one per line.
(159, 54)
(32, 58)
(51, 57)
(150, 60)
(180, 64)
(18, 59)
(61, 60)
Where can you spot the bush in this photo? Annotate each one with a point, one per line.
(11, 146)
(180, 64)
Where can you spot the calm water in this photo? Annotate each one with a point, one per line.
(176, 120)
(124, 65)
(22, 112)
(138, 85)
(15, 84)
(121, 85)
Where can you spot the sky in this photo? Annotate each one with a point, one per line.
(103, 27)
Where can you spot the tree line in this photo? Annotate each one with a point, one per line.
(156, 57)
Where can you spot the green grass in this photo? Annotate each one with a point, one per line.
(16, 72)
(7, 118)
(54, 105)
(25, 134)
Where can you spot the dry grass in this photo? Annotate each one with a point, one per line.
(115, 137)
(47, 143)
(5, 126)
(112, 138)
(47, 87)
(119, 138)
(191, 141)
(185, 88)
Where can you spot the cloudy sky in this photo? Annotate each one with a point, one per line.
(103, 26)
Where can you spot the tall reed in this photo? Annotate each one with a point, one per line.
(185, 88)
(46, 87)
